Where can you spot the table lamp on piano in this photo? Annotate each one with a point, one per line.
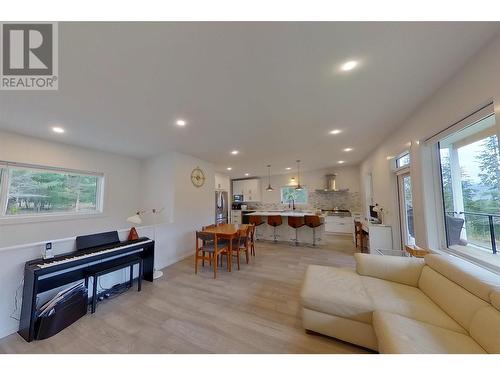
(133, 235)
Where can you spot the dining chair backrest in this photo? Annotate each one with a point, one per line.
(209, 226)
(206, 237)
(251, 234)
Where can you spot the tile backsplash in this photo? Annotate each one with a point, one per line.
(343, 200)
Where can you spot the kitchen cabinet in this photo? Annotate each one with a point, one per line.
(222, 182)
(339, 224)
(236, 217)
(250, 189)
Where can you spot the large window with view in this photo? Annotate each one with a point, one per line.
(470, 180)
(30, 191)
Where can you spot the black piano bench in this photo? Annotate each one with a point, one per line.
(102, 269)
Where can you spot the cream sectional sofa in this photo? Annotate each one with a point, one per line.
(440, 304)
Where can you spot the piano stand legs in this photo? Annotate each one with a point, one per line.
(94, 293)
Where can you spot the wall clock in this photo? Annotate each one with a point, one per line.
(197, 177)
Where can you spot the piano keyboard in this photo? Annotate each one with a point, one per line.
(89, 255)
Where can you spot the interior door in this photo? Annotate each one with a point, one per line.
(406, 209)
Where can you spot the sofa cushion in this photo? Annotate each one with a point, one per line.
(475, 279)
(407, 301)
(403, 270)
(397, 334)
(485, 329)
(457, 302)
(336, 291)
(495, 299)
(341, 328)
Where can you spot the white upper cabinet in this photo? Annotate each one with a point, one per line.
(222, 182)
(250, 189)
(238, 188)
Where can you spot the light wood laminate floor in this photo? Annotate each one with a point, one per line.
(255, 310)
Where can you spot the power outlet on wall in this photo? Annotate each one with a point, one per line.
(47, 251)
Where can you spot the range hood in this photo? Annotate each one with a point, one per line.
(331, 184)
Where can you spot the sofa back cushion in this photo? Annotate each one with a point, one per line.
(495, 299)
(397, 269)
(475, 279)
(485, 329)
(457, 302)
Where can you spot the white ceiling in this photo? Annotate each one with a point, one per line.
(270, 90)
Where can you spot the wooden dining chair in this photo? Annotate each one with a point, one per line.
(358, 234)
(241, 243)
(252, 239)
(207, 242)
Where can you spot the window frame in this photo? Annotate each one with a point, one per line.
(47, 216)
(433, 143)
(293, 187)
(400, 156)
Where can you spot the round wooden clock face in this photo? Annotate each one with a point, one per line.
(197, 177)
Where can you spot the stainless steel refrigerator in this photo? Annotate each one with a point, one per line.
(221, 207)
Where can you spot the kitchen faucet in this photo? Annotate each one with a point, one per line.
(293, 204)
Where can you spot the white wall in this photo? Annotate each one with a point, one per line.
(167, 184)
(121, 179)
(475, 85)
(131, 185)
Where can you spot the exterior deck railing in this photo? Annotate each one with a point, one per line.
(491, 224)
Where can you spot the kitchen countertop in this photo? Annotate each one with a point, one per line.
(283, 213)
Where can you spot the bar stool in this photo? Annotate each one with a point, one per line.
(313, 221)
(274, 221)
(256, 221)
(296, 222)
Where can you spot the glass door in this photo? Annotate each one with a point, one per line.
(406, 209)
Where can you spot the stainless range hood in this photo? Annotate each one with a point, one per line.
(331, 184)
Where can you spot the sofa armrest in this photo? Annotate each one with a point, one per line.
(403, 270)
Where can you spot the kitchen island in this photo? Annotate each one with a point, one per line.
(284, 231)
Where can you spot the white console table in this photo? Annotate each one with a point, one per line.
(379, 237)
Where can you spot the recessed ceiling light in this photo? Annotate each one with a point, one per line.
(58, 129)
(341, 162)
(348, 149)
(288, 168)
(229, 168)
(335, 131)
(349, 65)
(181, 122)
(247, 174)
(235, 152)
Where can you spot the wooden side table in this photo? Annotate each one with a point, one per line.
(415, 251)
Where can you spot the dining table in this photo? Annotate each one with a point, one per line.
(228, 232)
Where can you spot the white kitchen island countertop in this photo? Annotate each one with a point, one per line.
(282, 213)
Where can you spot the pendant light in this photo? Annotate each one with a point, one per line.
(299, 188)
(269, 188)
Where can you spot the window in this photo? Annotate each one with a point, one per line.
(403, 160)
(32, 190)
(470, 181)
(289, 194)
